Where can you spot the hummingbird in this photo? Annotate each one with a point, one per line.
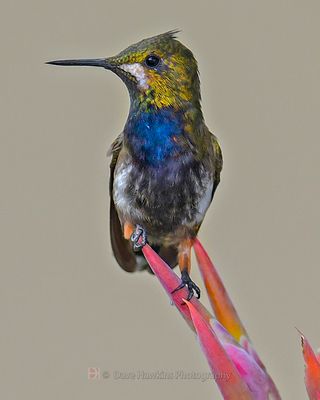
(165, 164)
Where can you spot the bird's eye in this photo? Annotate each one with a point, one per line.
(152, 60)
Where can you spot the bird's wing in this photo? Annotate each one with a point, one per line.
(209, 150)
(217, 162)
(205, 145)
(121, 247)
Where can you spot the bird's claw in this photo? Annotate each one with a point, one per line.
(138, 238)
(192, 287)
(187, 281)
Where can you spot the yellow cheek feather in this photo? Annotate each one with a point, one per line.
(169, 87)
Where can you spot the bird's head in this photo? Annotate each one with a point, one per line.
(158, 72)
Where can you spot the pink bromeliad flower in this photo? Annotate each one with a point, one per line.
(223, 339)
(312, 369)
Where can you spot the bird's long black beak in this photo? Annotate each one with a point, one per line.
(92, 62)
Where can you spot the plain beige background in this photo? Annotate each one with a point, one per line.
(65, 305)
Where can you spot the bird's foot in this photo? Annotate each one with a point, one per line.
(138, 238)
(187, 281)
